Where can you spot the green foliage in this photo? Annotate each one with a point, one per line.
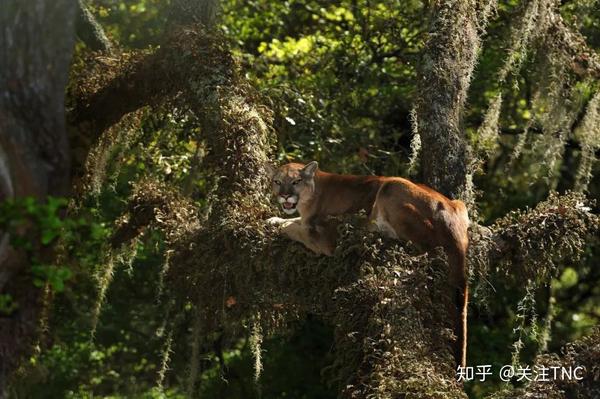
(339, 75)
(38, 227)
(55, 276)
(15, 214)
(123, 359)
(133, 23)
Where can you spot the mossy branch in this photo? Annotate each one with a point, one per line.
(531, 244)
(232, 254)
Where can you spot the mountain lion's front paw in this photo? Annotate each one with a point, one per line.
(275, 221)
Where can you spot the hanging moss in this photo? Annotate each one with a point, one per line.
(165, 359)
(97, 164)
(540, 33)
(558, 100)
(526, 322)
(415, 143)
(520, 145)
(103, 278)
(588, 134)
(531, 23)
(545, 334)
(524, 29)
(256, 339)
(487, 134)
(161, 277)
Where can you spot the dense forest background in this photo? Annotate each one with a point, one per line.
(123, 275)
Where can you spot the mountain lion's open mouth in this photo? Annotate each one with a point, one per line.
(289, 205)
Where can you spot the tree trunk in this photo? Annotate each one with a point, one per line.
(36, 41)
(444, 77)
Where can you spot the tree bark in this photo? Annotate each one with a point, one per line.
(444, 78)
(36, 41)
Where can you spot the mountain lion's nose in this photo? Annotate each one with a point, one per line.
(286, 196)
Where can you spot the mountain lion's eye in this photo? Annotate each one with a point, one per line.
(277, 182)
(296, 181)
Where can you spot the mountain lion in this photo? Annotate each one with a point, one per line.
(397, 207)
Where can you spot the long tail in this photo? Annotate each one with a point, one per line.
(462, 333)
(459, 277)
(462, 304)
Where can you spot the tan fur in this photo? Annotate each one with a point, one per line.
(398, 208)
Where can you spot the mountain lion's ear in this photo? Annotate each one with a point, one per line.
(310, 169)
(270, 169)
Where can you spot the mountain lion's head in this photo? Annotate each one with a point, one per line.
(292, 183)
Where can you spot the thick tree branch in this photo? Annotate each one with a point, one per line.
(138, 80)
(531, 245)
